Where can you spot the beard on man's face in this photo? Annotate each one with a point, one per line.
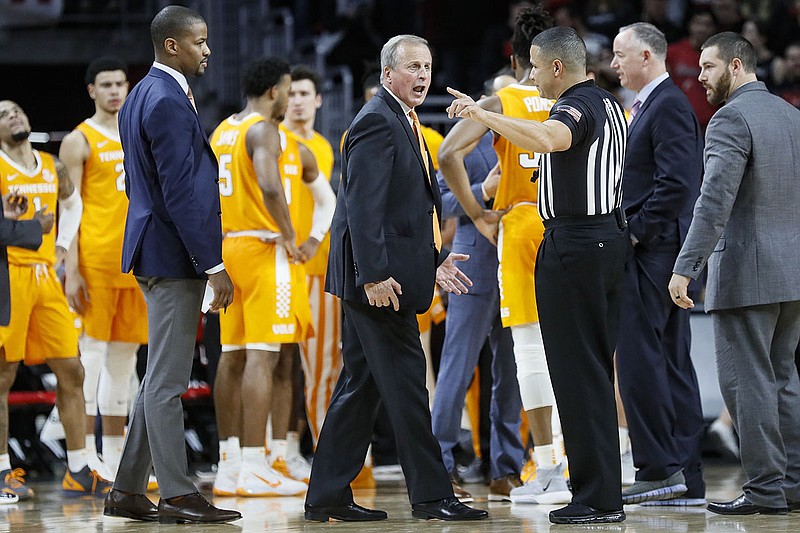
(719, 92)
(20, 135)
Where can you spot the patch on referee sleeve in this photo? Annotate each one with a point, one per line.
(571, 111)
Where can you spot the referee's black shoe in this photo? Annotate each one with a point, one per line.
(576, 513)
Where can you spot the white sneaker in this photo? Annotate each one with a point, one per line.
(99, 466)
(628, 469)
(8, 497)
(226, 481)
(265, 481)
(548, 488)
(296, 468)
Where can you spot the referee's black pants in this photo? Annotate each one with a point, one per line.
(579, 271)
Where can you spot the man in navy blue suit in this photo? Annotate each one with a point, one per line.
(657, 381)
(173, 244)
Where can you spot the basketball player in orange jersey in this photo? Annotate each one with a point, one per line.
(271, 297)
(299, 172)
(41, 327)
(109, 301)
(319, 354)
(518, 237)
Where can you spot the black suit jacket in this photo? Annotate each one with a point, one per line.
(22, 233)
(383, 226)
(663, 168)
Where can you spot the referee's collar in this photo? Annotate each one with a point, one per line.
(586, 83)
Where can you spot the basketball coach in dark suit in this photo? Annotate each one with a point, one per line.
(662, 173)
(173, 244)
(385, 258)
(21, 233)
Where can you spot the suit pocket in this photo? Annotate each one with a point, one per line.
(720, 245)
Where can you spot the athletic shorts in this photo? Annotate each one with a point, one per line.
(115, 314)
(521, 233)
(42, 326)
(270, 295)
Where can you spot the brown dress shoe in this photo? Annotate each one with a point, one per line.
(192, 508)
(459, 492)
(127, 505)
(500, 488)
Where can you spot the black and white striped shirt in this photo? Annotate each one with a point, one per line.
(586, 179)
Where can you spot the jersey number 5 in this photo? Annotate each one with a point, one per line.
(225, 176)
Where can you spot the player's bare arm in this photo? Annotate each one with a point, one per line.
(74, 153)
(71, 205)
(542, 137)
(264, 148)
(456, 145)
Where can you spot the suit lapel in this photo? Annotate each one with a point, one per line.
(401, 116)
(650, 99)
(173, 84)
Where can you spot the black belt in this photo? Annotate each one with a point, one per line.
(616, 217)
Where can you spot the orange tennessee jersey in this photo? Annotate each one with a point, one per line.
(291, 168)
(104, 205)
(322, 151)
(517, 165)
(241, 199)
(40, 185)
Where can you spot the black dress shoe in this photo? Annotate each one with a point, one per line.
(126, 505)
(793, 506)
(577, 513)
(352, 512)
(446, 509)
(192, 508)
(743, 506)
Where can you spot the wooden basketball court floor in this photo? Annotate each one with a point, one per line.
(50, 512)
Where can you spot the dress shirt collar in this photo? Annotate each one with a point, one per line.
(650, 87)
(180, 78)
(405, 107)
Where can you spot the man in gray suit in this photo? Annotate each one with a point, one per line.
(747, 215)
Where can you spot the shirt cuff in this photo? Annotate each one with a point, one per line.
(213, 270)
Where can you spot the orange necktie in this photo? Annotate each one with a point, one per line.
(437, 232)
(191, 99)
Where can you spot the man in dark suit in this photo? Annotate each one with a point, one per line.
(22, 233)
(657, 381)
(173, 243)
(385, 258)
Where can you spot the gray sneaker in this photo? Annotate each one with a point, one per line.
(648, 491)
(548, 488)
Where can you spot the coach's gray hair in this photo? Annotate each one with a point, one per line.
(389, 50)
(649, 37)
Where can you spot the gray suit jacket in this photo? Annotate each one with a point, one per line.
(748, 213)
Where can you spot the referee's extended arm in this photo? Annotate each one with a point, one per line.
(542, 137)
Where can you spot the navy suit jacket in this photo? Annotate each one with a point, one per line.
(382, 226)
(482, 265)
(24, 234)
(173, 227)
(663, 168)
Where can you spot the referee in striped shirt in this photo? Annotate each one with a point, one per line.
(581, 260)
